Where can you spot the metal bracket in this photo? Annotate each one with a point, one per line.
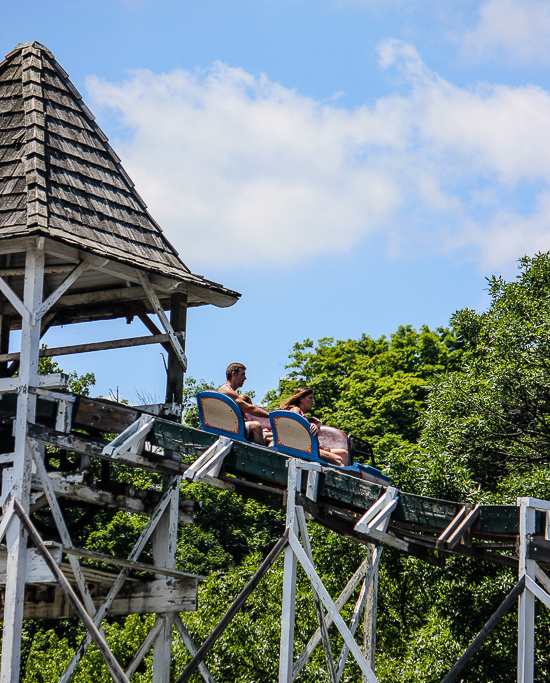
(377, 517)
(210, 462)
(132, 439)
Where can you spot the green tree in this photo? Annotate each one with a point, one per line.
(492, 419)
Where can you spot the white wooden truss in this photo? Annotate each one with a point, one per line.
(25, 470)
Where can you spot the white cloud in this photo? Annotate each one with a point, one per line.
(516, 30)
(239, 169)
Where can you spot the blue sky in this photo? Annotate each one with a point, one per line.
(348, 165)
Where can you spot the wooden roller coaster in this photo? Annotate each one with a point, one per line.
(77, 244)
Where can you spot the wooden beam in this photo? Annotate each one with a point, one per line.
(190, 645)
(157, 306)
(489, 627)
(144, 648)
(94, 447)
(48, 270)
(463, 527)
(92, 629)
(15, 301)
(235, 607)
(63, 287)
(94, 346)
(143, 502)
(178, 320)
(138, 566)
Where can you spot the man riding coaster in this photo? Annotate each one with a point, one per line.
(236, 377)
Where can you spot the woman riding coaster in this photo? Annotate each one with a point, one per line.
(301, 402)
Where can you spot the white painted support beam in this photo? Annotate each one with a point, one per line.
(9, 385)
(60, 524)
(286, 654)
(155, 303)
(19, 474)
(345, 595)
(55, 380)
(143, 648)
(190, 645)
(210, 462)
(526, 601)
(119, 581)
(331, 607)
(317, 601)
(376, 515)
(15, 301)
(368, 582)
(63, 287)
(6, 518)
(164, 541)
(93, 346)
(537, 591)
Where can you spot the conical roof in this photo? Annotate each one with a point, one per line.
(60, 178)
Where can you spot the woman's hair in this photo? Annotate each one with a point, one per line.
(295, 399)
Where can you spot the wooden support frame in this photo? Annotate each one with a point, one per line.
(63, 287)
(93, 632)
(155, 303)
(93, 346)
(115, 588)
(302, 525)
(235, 607)
(296, 553)
(365, 570)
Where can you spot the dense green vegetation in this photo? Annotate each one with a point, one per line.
(459, 413)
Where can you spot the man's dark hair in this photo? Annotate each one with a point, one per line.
(233, 367)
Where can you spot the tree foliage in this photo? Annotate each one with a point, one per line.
(459, 412)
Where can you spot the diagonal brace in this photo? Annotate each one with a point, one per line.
(63, 287)
(331, 607)
(155, 303)
(92, 629)
(121, 578)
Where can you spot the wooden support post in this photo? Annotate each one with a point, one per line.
(358, 609)
(164, 538)
(190, 645)
(18, 477)
(5, 324)
(178, 320)
(286, 657)
(235, 607)
(526, 603)
(371, 609)
(318, 604)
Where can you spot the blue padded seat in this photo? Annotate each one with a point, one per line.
(292, 436)
(220, 414)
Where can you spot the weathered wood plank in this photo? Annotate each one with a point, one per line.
(93, 346)
(129, 499)
(49, 602)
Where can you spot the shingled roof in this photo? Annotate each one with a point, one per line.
(60, 178)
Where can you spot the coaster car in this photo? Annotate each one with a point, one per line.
(219, 414)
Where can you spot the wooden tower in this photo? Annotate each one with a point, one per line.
(77, 244)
